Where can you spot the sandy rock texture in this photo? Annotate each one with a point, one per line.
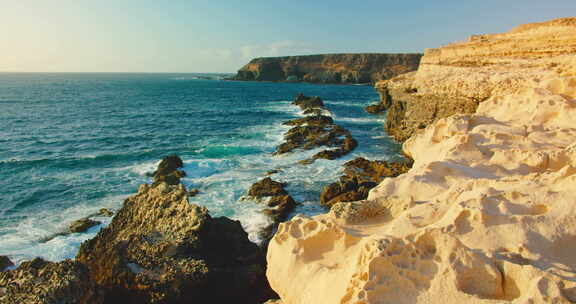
(329, 68)
(455, 78)
(487, 213)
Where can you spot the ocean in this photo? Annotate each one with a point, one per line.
(73, 143)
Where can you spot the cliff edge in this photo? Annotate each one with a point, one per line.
(457, 77)
(485, 215)
(329, 68)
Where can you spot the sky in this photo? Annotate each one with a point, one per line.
(222, 36)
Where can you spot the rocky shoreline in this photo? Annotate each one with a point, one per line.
(485, 214)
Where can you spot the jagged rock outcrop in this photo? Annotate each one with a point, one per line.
(486, 213)
(42, 282)
(169, 170)
(5, 262)
(316, 130)
(276, 198)
(161, 249)
(361, 175)
(329, 68)
(455, 78)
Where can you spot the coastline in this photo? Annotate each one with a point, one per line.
(492, 141)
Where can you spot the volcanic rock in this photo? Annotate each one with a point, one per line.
(278, 200)
(315, 131)
(159, 248)
(42, 282)
(361, 175)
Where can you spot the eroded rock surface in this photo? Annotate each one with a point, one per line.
(455, 78)
(330, 68)
(42, 282)
(486, 213)
(161, 249)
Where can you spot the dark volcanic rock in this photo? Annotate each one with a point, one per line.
(168, 170)
(316, 131)
(161, 249)
(329, 68)
(82, 225)
(42, 282)
(5, 262)
(278, 200)
(361, 175)
(308, 103)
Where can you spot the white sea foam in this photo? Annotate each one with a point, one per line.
(26, 239)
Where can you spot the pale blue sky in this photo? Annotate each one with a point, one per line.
(221, 36)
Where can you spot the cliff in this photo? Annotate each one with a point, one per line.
(330, 68)
(455, 78)
(485, 215)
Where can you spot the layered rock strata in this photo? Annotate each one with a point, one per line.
(329, 68)
(453, 79)
(316, 130)
(361, 175)
(485, 215)
(42, 282)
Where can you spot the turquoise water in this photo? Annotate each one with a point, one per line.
(71, 144)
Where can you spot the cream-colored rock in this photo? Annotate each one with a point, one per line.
(487, 214)
(453, 79)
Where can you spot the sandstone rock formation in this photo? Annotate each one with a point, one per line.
(329, 68)
(42, 282)
(82, 225)
(455, 78)
(161, 249)
(316, 130)
(485, 215)
(361, 175)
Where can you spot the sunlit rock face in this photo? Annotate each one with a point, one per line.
(485, 215)
(456, 78)
(329, 68)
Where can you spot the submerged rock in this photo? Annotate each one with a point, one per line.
(82, 225)
(105, 212)
(5, 262)
(42, 282)
(361, 175)
(159, 248)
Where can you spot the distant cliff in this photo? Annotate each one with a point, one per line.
(329, 68)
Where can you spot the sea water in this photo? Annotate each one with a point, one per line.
(71, 144)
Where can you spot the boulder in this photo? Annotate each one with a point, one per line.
(42, 282)
(159, 248)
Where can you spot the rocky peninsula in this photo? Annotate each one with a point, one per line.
(329, 68)
(485, 214)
